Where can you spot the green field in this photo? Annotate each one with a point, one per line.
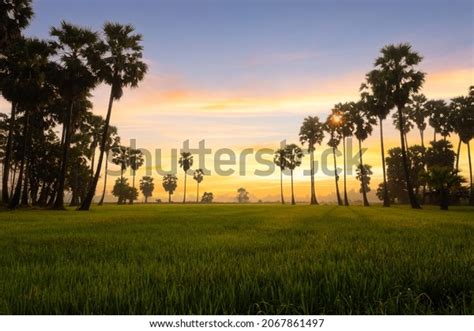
(237, 259)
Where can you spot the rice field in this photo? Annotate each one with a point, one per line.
(237, 259)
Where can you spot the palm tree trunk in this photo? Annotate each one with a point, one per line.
(471, 193)
(8, 155)
(458, 154)
(336, 177)
(59, 203)
(24, 193)
(362, 169)
(15, 199)
(185, 176)
(169, 197)
(92, 162)
(434, 136)
(386, 200)
(133, 184)
(422, 138)
(292, 190)
(86, 204)
(281, 187)
(101, 202)
(411, 195)
(314, 201)
(346, 200)
(13, 179)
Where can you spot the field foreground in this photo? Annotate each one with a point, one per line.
(235, 259)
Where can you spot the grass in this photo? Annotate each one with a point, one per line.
(237, 259)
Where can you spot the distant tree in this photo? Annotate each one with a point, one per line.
(207, 197)
(293, 155)
(363, 175)
(462, 119)
(279, 158)
(136, 161)
(121, 157)
(185, 162)
(363, 122)
(198, 176)
(417, 114)
(243, 195)
(132, 194)
(439, 117)
(121, 190)
(147, 186)
(122, 66)
(442, 180)
(397, 67)
(332, 127)
(312, 133)
(170, 183)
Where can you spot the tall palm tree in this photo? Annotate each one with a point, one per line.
(397, 67)
(136, 161)
(439, 117)
(279, 158)
(170, 183)
(312, 132)
(198, 176)
(408, 123)
(347, 128)
(375, 93)
(15, 15)
(332, 126)
(121, 157)
(185, 162)
(122, 66)
(363, 122)
(293, 157)
(77, 49)
(147, 186)
(462, 118)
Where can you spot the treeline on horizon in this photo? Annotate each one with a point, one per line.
(49, 84)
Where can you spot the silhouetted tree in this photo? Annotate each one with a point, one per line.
(242, 195)
(170, 183)
(121, 67)
(397, 69)
(207, 197)
(363, 175)
(136, 161)
(312, 132)
(121, 190)
(293, 155)
(333, 127)
(198, 176)
(147, 186)
(279, 158)
(185, 162)
(417, 114)
(15, 15)
(121, 157)
(442, 180)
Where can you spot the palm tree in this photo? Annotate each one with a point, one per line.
(113, 141)
(170, 183)
(136, 161)
(347, 128)
(439, 117)
(121, 67)
(363, 122)
(147, 186)
(462, 118)
(185, 162)
(397, 69)
(14, 16)
(279, 158)
(375, 93)
(417, 114)
(441, 180)
(293, 157)
(312, 132)
(332, 126)
(77, 50)
(121, 157)
(408, 124)
(198, 176)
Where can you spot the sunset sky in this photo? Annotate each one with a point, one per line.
(244, 74)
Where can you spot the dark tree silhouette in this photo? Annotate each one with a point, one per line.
(198, 176)
(147, 186)
(242, 195)
(293, 155)
(279, 158)
(185, 162)
(333, 127)
(170, 183)
(121, 67)
(136, 161)
(312, 133)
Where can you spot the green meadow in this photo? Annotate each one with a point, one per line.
(237, 259)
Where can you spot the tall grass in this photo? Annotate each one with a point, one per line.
(231, 259)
